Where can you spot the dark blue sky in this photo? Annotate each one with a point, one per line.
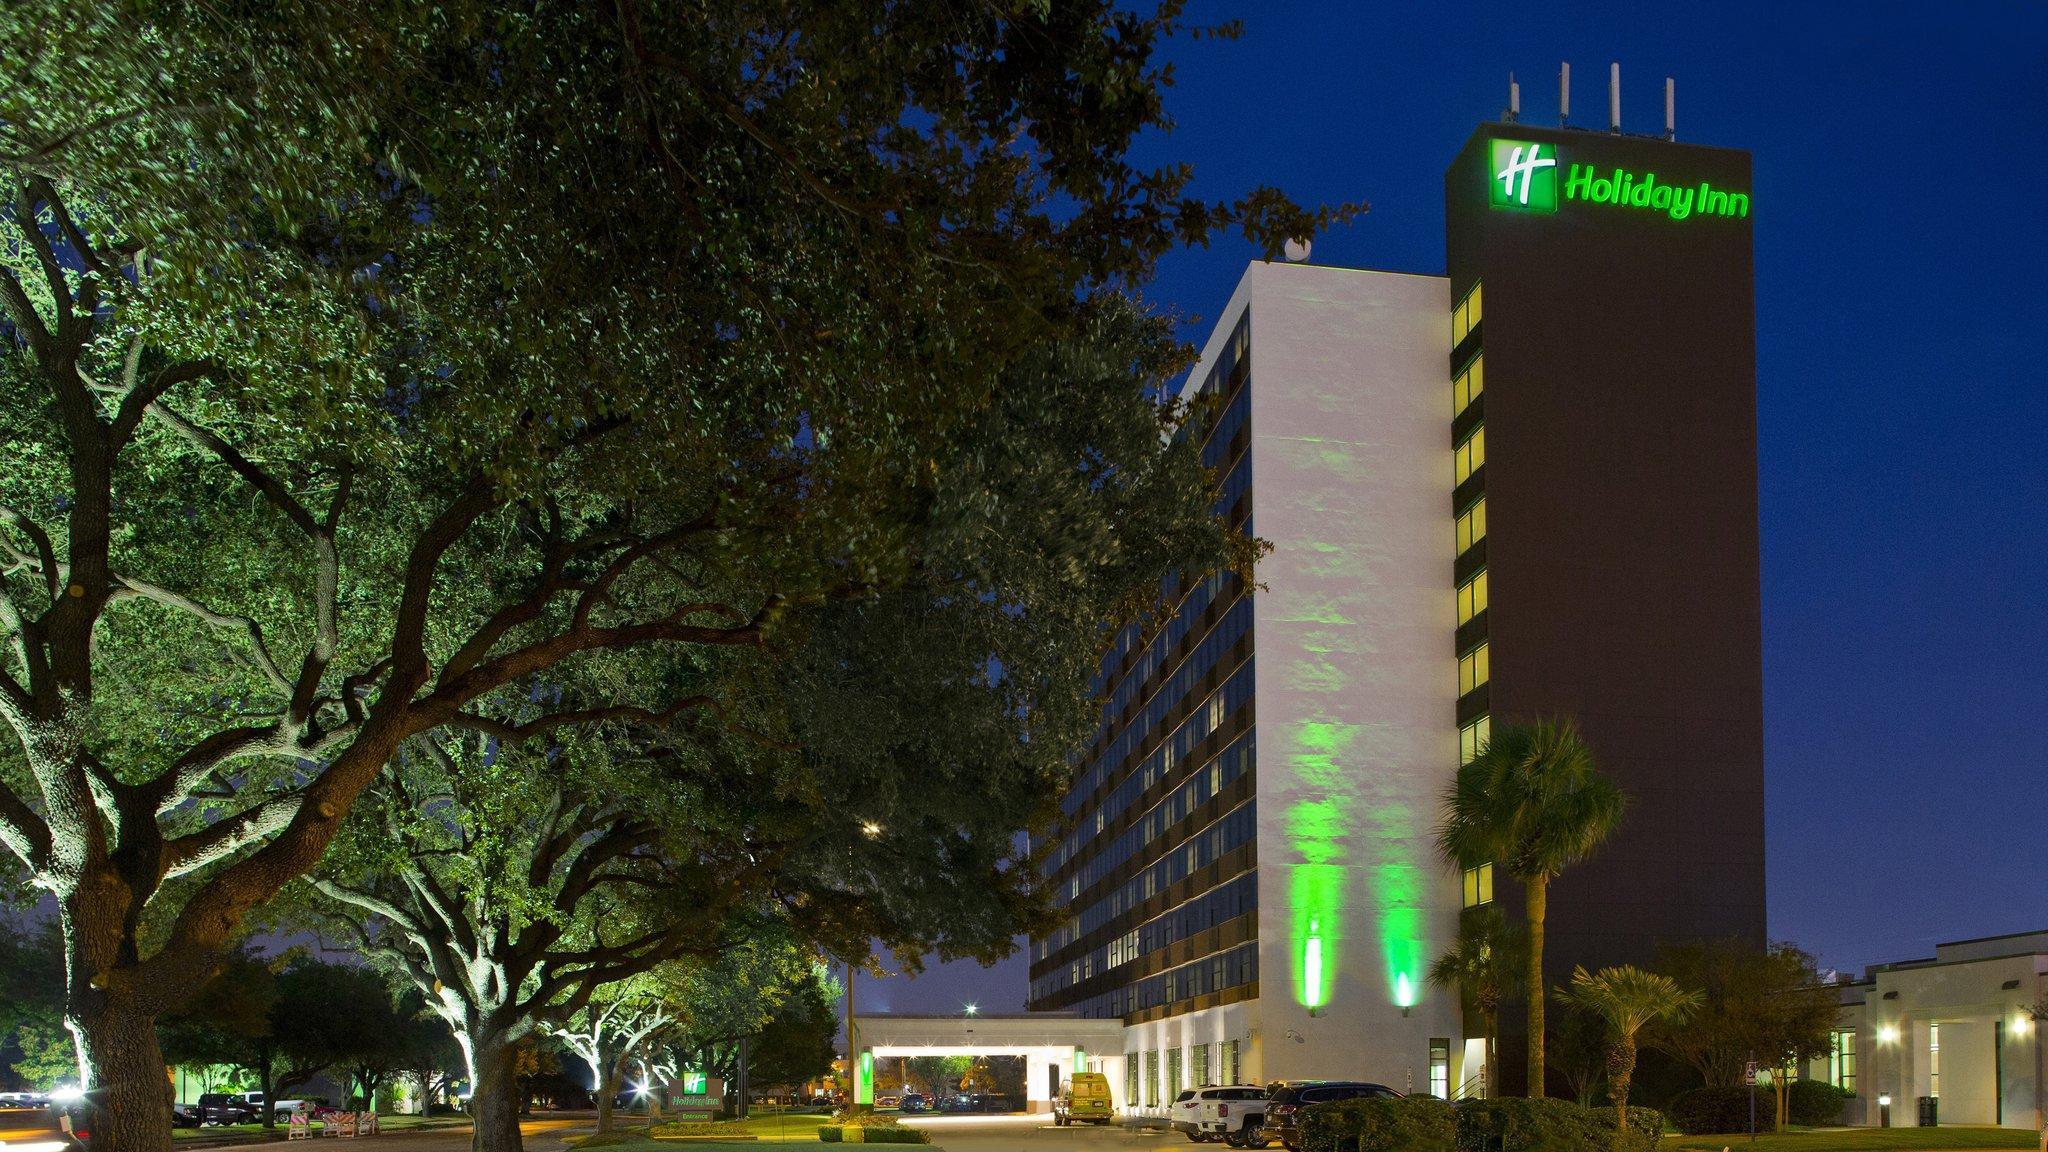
(1901, 189)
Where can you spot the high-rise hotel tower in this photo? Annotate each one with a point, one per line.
(1523, 489)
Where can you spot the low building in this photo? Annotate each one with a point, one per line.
(1953, 1039)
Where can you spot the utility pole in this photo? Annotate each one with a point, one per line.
(741, 1108)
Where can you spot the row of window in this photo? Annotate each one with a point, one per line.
(1474, 666)
(1233, 829)
(1234, 694)
(1169, 636)
(1221, 772)
(1225, 970)
(1213, 908)
(1146, 1088)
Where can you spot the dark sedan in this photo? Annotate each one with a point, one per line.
(1284, 1104)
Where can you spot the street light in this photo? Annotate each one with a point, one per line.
(972, 1009)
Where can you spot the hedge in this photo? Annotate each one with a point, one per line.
(1513, 1124)
(865, 1134)
(1411, 1124)
(1815, 1103)
(1722, 1109)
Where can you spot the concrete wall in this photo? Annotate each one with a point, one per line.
(1357, 679)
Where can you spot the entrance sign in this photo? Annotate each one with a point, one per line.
(1523, 176)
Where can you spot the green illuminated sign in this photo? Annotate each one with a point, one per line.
(1524, 177)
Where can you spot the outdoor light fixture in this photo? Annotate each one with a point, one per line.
(1888, 1034)
(1884, 1110)
(1312, 967)
(870, 829)
(1404, 992)
(973, 1008)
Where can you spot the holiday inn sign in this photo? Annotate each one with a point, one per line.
(1532, 177)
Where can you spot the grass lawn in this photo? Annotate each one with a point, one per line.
(1861, 1140)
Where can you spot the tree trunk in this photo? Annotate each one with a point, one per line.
(1535, 903)
(494, 1102)
(268, 1083)
(607, 1092)
(1621, 1068)
(124, 1075)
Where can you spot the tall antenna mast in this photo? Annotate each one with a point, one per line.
(1670, 108)
(1564, 94)
(1614, 97)
(1514, 99)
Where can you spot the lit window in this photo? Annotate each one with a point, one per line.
(1472, 669)
(1465, 317)
(1472, 597)
(1468, 386)
(1440, 1068)
(1472, 525)
(1479, 885)
(1470, 455)
(1473, 737)
(1842, 1060)
(1934, 1059)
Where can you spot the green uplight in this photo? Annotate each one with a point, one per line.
(864, 1079)
(1404, 990)
(1080, 1060)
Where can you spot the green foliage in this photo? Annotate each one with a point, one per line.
(1628, 998)
(864, 1133)
(1723, 1108)
(1771, 1002)
(48, 1056)
(1531, 803)
(697, 1128)
(1816, 1103)
(1542, 1124)
(1420, 1123)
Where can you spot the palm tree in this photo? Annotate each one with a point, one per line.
(1479, 967)
(1532, 804)
(1627, 998)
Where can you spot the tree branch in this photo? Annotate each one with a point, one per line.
(228, 835)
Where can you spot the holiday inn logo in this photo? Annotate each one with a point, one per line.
(1524, 176)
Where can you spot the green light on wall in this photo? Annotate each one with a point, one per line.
(864, 1079)
(1317, 900)
(1080, 1060)
(1404, 991)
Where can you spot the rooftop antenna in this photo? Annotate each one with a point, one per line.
(1564, 94)
(1670, 108)
(1514, 99)
(1614, 98)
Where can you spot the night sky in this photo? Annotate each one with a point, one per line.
(1901, 186)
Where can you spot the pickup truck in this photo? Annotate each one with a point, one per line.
(1232, 1113)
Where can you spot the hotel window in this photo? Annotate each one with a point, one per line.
(1152, 1079)
(1472, 669)
(1479, 885)
(1472, 737)
(1131, 1080)
(1842, 1060)
(1472, 598)
(1173, 1084)
(1440, 1067)
(1470, 455)
(1198, 1056)
(1472, 525)
(1465, 317)
(1934, 1059)
(1468, 386)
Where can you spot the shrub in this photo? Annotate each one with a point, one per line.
(1512, 1124)
(864, 1119)
(1645, 1129)
(871, 1134)
(1724, 1109)
(1417, 1123)
(701, 1128)
(1815, 1103)
(612, 1138)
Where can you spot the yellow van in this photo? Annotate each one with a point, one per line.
(1084, 1096)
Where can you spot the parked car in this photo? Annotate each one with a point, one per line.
(1084, 1096)
(915, 1102)
(222, 1108)
(305, 1104)
(184, 1116)
(37, 1128)
(1285, 1101)
(1232, 1113)
(888, 1101)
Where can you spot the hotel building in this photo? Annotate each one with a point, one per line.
(1526, 488)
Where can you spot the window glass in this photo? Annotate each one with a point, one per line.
(1842, 1060)
(1470, 454)
(1473, 302)
(1468, 385)
(1472, 525)
(1472, 597)
(1472, 669)
(1472, 737)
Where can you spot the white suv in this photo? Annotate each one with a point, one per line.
(1232, 1113)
